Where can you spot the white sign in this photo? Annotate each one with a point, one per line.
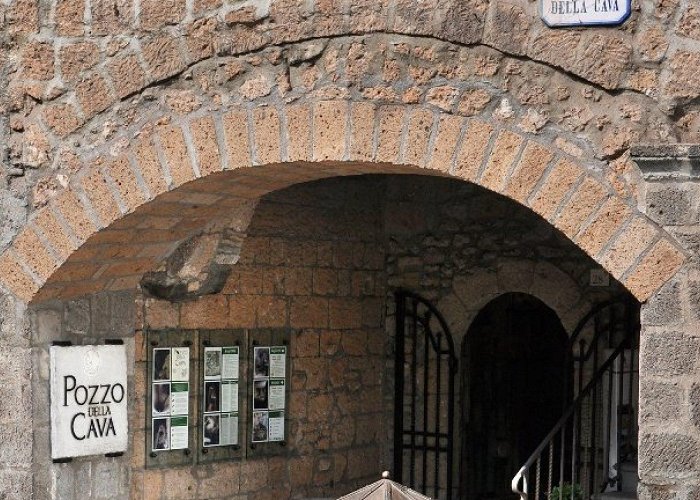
(88, 400)
(584, 12)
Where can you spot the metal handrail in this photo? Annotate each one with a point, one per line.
(597, 378)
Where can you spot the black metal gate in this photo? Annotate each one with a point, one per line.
(425, 371)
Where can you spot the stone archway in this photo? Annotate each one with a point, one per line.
(123, 214)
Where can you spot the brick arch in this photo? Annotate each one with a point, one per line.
(123, 214)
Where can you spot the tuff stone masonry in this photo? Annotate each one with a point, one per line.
(508, 157)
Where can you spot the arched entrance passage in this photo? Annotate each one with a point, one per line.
(123, 214)
(513, 371)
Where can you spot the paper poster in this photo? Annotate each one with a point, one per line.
(161, 434)
(269, 393)
(170, 398)
(179, 398)
(260, 395)
(180, 364)
(211, 430)
(229, 362)
(260, 424)
(161, 399)
(276, 426)
(212, 362)
(229, 429)
(278, 362)
(261, 362)
(229, 396)
(161, 364)
(212, 396)
(220, 397)
(276, 394)
(178, 433)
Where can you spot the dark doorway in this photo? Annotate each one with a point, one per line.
(514, 357)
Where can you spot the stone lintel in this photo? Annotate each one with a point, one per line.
(667, 161)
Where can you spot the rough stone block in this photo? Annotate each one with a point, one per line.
(420, 126)
(449, 131)
(609, 219)
(556, 186)
(669, 204)
(156, 14)
(100, 194)
(16, 279)
(532, 165)
(124, 179)
(471, 154)
(266, 135)
(237, 144)
(16, 483)
(76, 317)
(162, 56)
(206, 145)
(664, 307)
(126, 75)
(503, 154)
(669, 354)
(46, 325)
(330, 123)
(174, 149)
(667, 455)
(628, 246)
(390, 128)
(150, 167)
(69, 17)
(683, 81)
(657, 266)
(298, 132)
(660, 401)
(93, 95)
(37, 61)
(75, 214)
(507, 28)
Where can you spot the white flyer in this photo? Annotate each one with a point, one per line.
(178, 433)
(180, 358)
(229, 395)
(212, 363)
(276, 399)
(179, 398)
(278, 361)
(276, 426)
(229, 362)
(229, 428)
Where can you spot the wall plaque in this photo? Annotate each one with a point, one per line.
(88, 400)
(584, 12)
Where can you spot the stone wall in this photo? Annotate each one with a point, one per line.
(83, 321)
(312, 261)
(85, 83)
(669, 440)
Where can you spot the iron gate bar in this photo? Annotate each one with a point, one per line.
(414, 315)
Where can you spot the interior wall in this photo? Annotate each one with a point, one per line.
(312, 261)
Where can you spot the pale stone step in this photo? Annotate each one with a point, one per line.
(616, 495)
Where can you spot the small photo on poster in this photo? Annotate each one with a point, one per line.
(261, 366)
(161, 364)
(260, 424)
(161, 399)
(180, 364)
(211, 430)
(212, 396)
(161, 434)
(212, 362)
(260, 395)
